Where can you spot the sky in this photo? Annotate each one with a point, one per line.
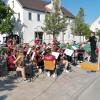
(91, 8)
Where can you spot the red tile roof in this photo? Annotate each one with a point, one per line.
(39, 5)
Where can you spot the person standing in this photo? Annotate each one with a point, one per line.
(93, 45)
(99, 59)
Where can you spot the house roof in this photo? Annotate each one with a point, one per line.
(40, 6)
(67, 13)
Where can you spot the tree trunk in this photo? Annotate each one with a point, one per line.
(62, 37)
(54, 35)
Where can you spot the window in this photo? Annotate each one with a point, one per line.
(98, 22)
(30, 16)
(68, 20)
(19, 16)
(13, 3)
(96, 29)
(38, 17)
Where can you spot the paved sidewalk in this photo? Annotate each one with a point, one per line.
(92, 92)
(67, 86)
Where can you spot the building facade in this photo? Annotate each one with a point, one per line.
(95, 26)
(29, 16)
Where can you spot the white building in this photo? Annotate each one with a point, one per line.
(95, 26)
(29, 18)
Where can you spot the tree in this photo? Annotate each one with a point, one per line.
(85, 30)
(98, 34)
(54, 22)
(79, 26)
(6, 24)
(78, 22)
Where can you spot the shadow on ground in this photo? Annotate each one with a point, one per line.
(6, 84)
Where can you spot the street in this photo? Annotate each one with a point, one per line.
(67, 86)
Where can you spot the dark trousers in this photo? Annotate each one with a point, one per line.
(93, 55)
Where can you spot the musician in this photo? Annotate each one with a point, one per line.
(93, 44)
(49, 57)
(64, 61)
(39, 59)
(20, 65)
(80, 53)
(99, 58)
(54, 41)
(37, 41)
(25, 49)
(10, 61)
(9, 42)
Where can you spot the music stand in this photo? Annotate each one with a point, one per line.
(56, 54)
(70, 53)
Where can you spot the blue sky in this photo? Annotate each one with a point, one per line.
(91, 8)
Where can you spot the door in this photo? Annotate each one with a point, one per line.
(39, 35)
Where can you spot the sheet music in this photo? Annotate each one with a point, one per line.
(69, 52)
(56, 54)
(74, 48)
(28, 50)
(33, 56)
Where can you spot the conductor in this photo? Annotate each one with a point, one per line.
(93, 45)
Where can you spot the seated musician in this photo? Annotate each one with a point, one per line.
(64, 61)
(54, 41)
(39, 59)
(80, 53)
(9, 42)
(10, 61)
(49, 57)
(19, 63)
(37, 41)
(25, 48)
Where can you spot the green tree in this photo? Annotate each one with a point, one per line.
(78, 22)
(98, 34)
(54, 22)
(85, 30)
(6, 24)
(79, 26)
